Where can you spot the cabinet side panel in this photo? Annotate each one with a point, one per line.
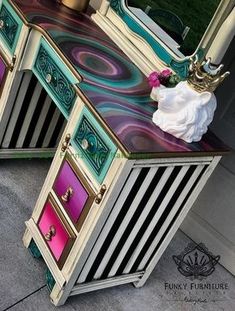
(145, 210)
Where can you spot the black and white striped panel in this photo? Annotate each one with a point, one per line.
(148, 204)
(35, 121)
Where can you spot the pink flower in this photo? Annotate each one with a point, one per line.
(153, 79)
(165, 73)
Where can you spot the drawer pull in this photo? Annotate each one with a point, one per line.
(85, 144)
(12, 64)
(2, 24)
(100, 195)
(65, 143)
(48, 78)
(50, 234)
(68, 194)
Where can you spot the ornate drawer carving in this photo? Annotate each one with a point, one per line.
(73, 191)
(10, 26)
(94, 145)
(57, 234)
(50, 72)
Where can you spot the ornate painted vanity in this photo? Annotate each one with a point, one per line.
(118, 187)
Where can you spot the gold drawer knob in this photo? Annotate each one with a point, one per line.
(100, 195)
(12, 65)
(48, 78)
(68, 194)
(65, 143)
(85, 144)
(2, 24)
(52, 232)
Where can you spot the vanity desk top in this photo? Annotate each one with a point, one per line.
(111, 85)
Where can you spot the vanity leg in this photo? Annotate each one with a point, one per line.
(27, 238)
(31, 245)
(34, 250)
(50, 280)
(140, 283)
(58, 296)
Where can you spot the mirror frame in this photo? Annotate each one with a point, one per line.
(161, 50)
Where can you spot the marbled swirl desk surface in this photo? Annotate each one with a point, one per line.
(112, 83)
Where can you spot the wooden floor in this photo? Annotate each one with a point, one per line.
(22, 278)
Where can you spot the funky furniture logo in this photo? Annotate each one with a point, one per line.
(196, 262)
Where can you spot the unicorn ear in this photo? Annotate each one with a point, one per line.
(205, 97)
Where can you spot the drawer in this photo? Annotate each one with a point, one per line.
(10, 26)
(56, 232)
(50, 71)
(3, 73)
(93, 145)
(74, 192)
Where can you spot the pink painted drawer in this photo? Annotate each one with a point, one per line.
(73, 191)
(56, 232)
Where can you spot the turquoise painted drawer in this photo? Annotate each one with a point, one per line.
(50, 70)
(10, 26)
(93, 145)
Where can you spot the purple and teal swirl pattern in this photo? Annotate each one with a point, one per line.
(89, 49)
(112, 83)
(131, 120)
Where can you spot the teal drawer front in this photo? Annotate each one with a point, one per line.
(10, 26)
(50, 70)
(93, 145)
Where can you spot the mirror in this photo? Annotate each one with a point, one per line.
(181, 24)
(174, 30)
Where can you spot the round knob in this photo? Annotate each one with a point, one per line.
(65, 143)
(85, 144)
(48, 78)
(52, 232)
(1, 24)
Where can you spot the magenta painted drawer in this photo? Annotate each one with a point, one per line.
(74, 193)
(56, 232)
(3, 73)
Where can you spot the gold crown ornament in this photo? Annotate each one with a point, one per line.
(204, 76)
